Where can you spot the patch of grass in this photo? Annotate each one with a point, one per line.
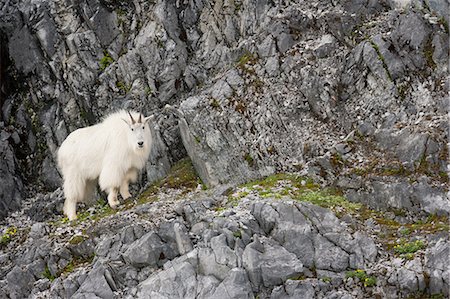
(337, 160)
(7, 236)
(326, 279)
(299, 188)
(125, 88)
(405, 231)
(249, 159)
(237, 234)
(77, 239)
(47, 274)
(272, 181)
(428, 51)
(246, 60)
(181, 176)
(76, 263)
(328, 199)
(361, 275)
(105, 61)
(436, 295)
(149, 91)
(444, 23)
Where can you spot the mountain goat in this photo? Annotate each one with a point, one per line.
(111, 152)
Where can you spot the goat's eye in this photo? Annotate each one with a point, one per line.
(132, 129)
(143, 128)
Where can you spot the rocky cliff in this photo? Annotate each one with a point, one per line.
(346, 101)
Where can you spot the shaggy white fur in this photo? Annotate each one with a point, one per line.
(111, 152)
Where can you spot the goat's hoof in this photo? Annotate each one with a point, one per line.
(114, 205)
(126, 196)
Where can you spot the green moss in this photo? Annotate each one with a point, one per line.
(428, 51)
(105, 61)
(381, 58)
(237, 234)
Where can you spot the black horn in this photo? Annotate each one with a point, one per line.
(140, 117)
(132, 119)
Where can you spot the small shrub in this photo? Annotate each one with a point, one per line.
(105, 61)
(47, 274)
(368, 281)
(407, 249)
(125, 88)
(7, 235)
(249, 159)
(215, 104)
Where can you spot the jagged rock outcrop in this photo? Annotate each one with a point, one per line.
(272, 85)
(207, 245)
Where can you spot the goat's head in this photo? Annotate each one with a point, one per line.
(139, 131)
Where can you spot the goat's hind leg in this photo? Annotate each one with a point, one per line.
(74, 192)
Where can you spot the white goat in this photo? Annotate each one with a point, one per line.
(111, 152)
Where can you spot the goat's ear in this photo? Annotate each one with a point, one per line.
(149, 118)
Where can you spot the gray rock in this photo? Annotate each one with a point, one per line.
(20, 282)
(95, 284)
(147, 251)
(329, 256)
(436, 263)
(177, 281)
(12, 186)
(235, 285)
(25, 51)
(38, 230)
(176, 235)
(294, 289)
(268, 264)
(325, 47)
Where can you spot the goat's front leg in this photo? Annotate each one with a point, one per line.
(124, 192)
(112, 198)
